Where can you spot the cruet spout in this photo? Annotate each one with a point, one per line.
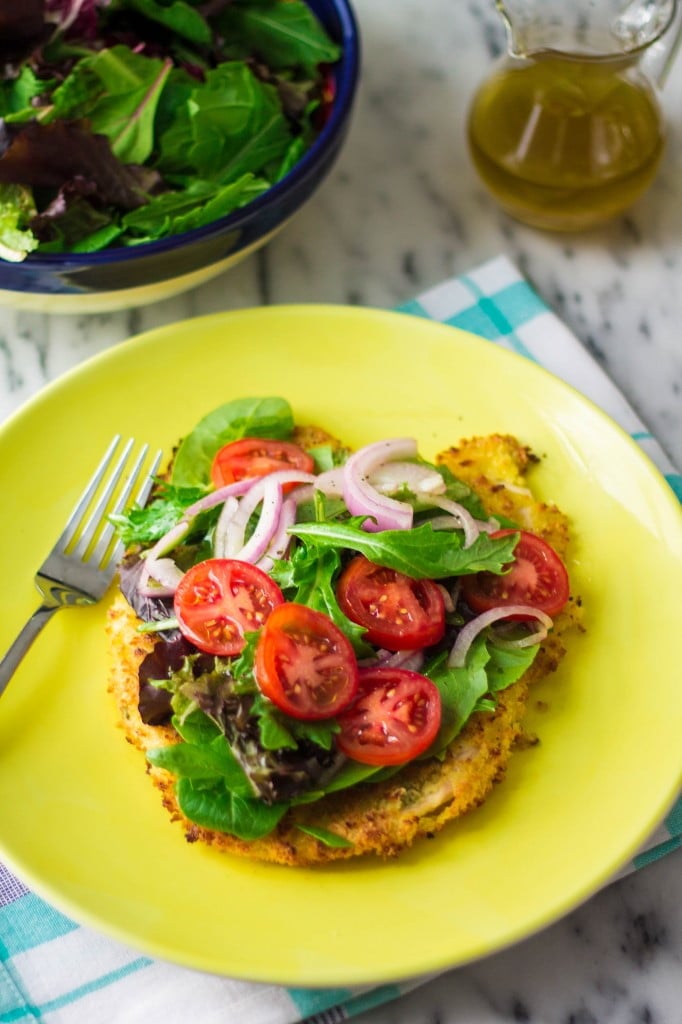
(607, 28)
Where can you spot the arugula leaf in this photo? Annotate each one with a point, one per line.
(308, 577)
(422, 553)
(244, 417)
(200, 203)
(145, 525)
(215, 807)
(457, 490)
(282, 34)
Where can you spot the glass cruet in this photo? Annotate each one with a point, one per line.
(567, 131)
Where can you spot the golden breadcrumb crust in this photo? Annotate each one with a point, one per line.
(381, 818)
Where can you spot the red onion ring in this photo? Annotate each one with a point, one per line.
(470, 631)
(281, 539)
(216, 497)
(331, 482)
(420, 479)
(465, 519)
(258, 542)
(164, 572)
(363, 499)
(412, 660)
(223, 525)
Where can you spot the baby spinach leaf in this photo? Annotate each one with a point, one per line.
(325, 836)
(281, 34)
(195, 727)
(507, 664)
(422, 553)
(16, 94)
(216, 807)
(244, 417)
(460, 690)
(118, 91)
(488, 669)
(232, 123)
(351, 774)
(181, 18)
(213, 760)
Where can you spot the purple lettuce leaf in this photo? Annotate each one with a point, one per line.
(47, 156)
(22, 30)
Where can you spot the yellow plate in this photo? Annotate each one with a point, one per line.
(81, 823)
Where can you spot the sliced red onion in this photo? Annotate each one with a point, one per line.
(363, 499)
(465, 519)
(236, 528)
(216, 497)
(447, 598)
(291, 476)
(173, 537)
(380, 658)
(468, 633)
(523, 641)
(165, 576)
(258, 542)
(419, 479)
(281, 539)
(168, 541)
(227, 514)
(412, 660)
(331, 482)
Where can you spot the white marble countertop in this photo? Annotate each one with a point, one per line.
(401, 210)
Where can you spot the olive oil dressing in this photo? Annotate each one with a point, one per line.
(567, 132)
(566, 144)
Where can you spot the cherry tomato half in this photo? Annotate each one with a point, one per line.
(537, 577)
(257, 456)
(218, 600)
(398, 612)
(395, 717)
(305, 664)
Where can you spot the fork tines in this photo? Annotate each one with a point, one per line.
(109, 492)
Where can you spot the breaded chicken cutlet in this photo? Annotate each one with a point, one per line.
(423, 796)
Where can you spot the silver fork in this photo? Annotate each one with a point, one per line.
(83, 562)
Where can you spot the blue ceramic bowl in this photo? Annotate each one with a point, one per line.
(130, 276)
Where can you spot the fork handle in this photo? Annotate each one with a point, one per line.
(10, 662)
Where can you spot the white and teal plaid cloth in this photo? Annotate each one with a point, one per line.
(55, 972)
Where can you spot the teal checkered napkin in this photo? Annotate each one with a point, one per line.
(56, 972)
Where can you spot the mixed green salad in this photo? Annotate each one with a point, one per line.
(125, 121)
(322, 617)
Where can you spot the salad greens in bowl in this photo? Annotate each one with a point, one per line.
(146, 145)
